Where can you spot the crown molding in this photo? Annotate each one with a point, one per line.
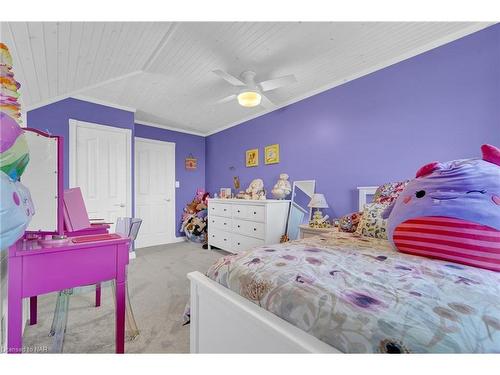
(167, 127)
(474, 27)
(103, 102)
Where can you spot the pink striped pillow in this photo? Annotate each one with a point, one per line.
(450, 239)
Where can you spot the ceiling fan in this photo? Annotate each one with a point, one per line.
(251, 93)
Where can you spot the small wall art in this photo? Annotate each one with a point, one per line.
(252, 157)
(272, 154)
(191, 162)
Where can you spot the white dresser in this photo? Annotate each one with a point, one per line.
(237, 225)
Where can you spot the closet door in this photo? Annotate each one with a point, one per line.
(155, 191)
(100, 165)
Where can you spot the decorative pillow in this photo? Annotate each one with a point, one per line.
(349, 223)
(451, 211)
(387, 193)
(372, 224)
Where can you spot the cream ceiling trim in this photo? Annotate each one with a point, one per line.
(166, 127)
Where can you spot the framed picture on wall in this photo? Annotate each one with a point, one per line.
(190, 162)
(272, 154)
(252, 157)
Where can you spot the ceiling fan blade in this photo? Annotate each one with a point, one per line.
(229, 78)
(277, 82)
(266, 103)
(226, 99)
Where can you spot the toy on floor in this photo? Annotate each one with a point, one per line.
(451, 211)
(194, 218)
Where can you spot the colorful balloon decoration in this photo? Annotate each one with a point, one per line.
(9, 86)
(16, 210)
(16, 206)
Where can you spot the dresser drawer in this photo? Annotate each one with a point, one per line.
(220, 209)
(241, 243)
(220, 222)
(240, 211)
(249, 228)
(219, 238)
(256, 213)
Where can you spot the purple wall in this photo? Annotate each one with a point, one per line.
(55, 117)
(440, 105)
(185, 144)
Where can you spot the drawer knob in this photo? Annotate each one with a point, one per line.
(254, 229)
(238, 226)
(225, 239)
(225, 223)
(213, 235)
(225, 210)
(239, 244)
(255, 213)
(238, 211)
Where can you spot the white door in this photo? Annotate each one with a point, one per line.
(100, 165)
(155, 191)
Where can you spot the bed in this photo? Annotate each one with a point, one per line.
(342, 293)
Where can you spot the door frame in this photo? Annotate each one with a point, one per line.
(173, 234)
(73, 125)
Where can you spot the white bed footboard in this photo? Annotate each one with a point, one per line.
(224, 322)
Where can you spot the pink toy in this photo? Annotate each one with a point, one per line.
(451, 211)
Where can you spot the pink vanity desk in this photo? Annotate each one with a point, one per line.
(35, 270)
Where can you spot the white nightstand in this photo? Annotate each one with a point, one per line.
(306, 231)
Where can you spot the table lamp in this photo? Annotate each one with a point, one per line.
(318, 201)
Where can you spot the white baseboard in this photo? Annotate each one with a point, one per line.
(175, 240)
(179, 239)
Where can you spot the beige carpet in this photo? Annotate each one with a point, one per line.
(159, 291)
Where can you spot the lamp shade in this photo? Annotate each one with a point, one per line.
(318, 201)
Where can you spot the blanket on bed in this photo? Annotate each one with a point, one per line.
(360, 295)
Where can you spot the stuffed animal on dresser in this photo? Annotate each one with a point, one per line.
(451, 211)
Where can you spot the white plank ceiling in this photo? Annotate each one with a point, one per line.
(164, 70)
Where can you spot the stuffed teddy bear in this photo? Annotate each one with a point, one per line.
(451, 211)
(256, 189)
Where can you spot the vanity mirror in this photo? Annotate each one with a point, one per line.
(44, 179)
(300, 213)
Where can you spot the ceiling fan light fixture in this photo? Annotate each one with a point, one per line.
(249, 98)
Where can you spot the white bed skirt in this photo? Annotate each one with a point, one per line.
(224, 322)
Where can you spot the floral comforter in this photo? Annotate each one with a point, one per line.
(360, 295)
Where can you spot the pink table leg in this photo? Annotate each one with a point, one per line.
(33, 310)
(15, 307)
(120, 317)
(97, 295)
